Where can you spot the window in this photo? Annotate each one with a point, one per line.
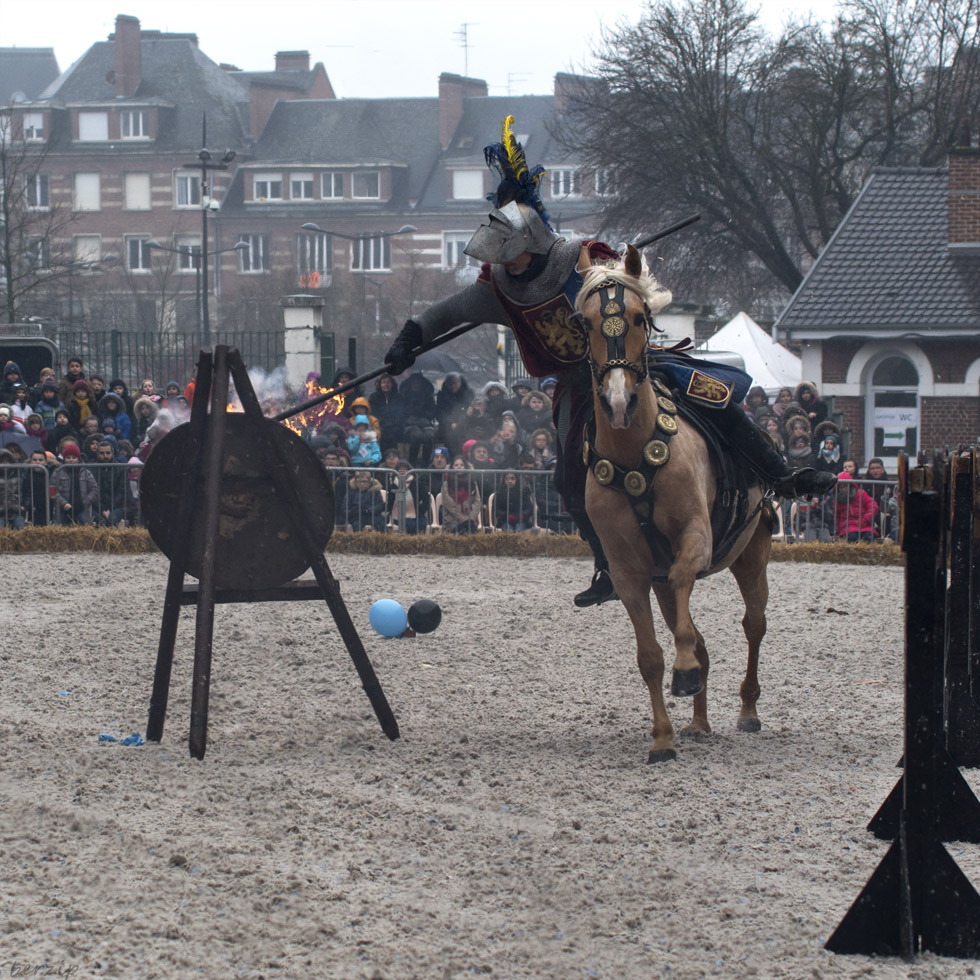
(137, 254)
(38, 195)
(88, 192)
(301, 187)
(331, 184)
(565, 183)
(605, 182)
(38, 254)
(268, 187)
(134, 125)
(136, 191)
(93, 126)
(87, 248)
(453, 257)
(467, 185)
(314, 259)
(188, 252)
(33, 125)
(187, 190)
(256, 257)
(366, 184)
(371, 254)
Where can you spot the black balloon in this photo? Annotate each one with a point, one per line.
(424, 616)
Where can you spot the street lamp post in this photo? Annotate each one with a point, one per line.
(200, 271)
(206, 165)
(366, 236)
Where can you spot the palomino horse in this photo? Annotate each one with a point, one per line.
(641, 448)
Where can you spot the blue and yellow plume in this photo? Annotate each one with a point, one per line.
(518, 182)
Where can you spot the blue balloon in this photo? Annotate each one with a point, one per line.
(388, 618)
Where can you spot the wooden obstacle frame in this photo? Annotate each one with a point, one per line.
(918, 899)
(191, 492)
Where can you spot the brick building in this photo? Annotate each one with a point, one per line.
(120, 133)
(888, 317)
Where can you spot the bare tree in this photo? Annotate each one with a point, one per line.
(34, 252)
(696, 108)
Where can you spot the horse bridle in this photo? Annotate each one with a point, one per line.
(614, 328)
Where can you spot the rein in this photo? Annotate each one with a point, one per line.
(614, 328)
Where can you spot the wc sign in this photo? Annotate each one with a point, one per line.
(894, 422)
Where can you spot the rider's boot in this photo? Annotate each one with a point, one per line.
(601, 589)
(746, 438)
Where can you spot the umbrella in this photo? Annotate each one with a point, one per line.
(436, 361)
(27, 443)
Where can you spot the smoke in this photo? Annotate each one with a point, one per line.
(271, 390)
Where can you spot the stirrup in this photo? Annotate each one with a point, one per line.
(601, 590)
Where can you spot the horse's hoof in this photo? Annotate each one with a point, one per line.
(749, 725)
(694, 733)
(661, 755)
(686, 683)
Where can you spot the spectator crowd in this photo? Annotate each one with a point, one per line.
(405, 456)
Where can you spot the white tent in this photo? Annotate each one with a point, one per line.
(771, 365)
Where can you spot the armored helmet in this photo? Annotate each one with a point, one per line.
(513, 229)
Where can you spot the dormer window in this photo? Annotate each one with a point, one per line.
(268, 187)
(33, 126)
(565, 183)
(366, 184)
(134, 124)
(93, 127)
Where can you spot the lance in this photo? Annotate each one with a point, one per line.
(452, 335)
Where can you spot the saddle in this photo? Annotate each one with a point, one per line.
(730, 514)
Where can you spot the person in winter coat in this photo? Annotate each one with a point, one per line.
(513, 503)
(815, 408)
(118, 387)
(828, 456)
(8, 423)
(418, 397)
(535, 412)
(496, 402)
(506, 445)
(11, 492)
(20, 407)
(34, 427)
(34, 489)
(363, 444)
(454, 398)
(880, 492)
(162, 424)
(48, 405)
(112, 406)
(461, 501)
(11, 378)
(66, 386)
(363, 507)
(856, 511)
(82, 403)
(145, 412)
(113, 485)
(408, 500)
(362, 406)
(541, 446)
(76, 492)
(389, 409)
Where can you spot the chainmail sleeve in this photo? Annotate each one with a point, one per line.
(476, 303)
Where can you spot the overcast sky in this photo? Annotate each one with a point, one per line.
(370, 48)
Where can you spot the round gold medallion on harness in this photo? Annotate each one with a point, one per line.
(666, 423)
(613, 326)
(603, 472)
(611, 309)
(661, 387)
(635, 483)
(585, 452)
(656, 452)
(666, 405)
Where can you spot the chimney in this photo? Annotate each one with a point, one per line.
(292, 60)
(570, 87)
(129, 55)
(963, 199)
(452, 90)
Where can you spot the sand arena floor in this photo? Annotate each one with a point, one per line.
(515, 830)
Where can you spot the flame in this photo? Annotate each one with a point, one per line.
(313, 418)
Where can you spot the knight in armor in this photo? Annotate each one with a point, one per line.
(529, 282)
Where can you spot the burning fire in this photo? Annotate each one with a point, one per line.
(313, 418)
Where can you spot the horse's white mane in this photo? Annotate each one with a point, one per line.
(646, 285)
